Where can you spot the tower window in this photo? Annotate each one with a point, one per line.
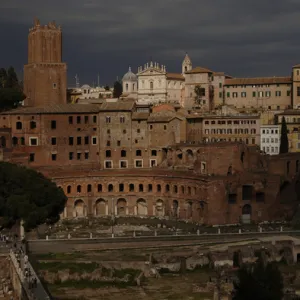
(54, 86)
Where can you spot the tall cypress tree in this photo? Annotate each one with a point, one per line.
(284, 142)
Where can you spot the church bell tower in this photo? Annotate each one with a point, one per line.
(45, 75)
(186, 64)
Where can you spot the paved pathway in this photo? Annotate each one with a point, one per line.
(30, 281)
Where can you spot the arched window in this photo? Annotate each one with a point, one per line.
(126, 86)
(32, 124)
(167, 188)
(78, 188)
(123, 153)
(89, 188)
(189, 190)
(158, 187)
(69, 189)
(110, 188)
(175, 189)
(151, 85)
(182, 189)
(141, 188)
(22, 140)
(19, 125)
(131, 187)
(99, 187)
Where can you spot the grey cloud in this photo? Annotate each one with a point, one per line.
(253, 38)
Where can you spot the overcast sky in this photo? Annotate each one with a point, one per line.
(240, 37)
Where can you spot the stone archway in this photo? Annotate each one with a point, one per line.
(189, 155)
(2, 142)
(159, 208)
(79, 208)
(141, 207)
(246, 214)
(100, 207)
(121, 207)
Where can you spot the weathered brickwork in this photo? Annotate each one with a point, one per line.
(45, 75)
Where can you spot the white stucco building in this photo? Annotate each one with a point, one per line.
(270, 139)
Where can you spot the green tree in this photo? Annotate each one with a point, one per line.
(10, 98)
(261, 281)
(117, 89)
(284, 142)
(29, 196)
(3, 78)
(12, 79)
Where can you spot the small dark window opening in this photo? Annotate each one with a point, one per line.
(158, 188)
(53, 124)
(110, 188)
(89, 188)
(99, 187)
(232, 198)
(131, 187)
(121, 187)
(141, 188)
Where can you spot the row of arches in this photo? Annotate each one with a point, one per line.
(141, 207)
(131, 187)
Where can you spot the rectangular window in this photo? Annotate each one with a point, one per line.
(220, 95)
(53, 124)
(118, 143)
(31, 157)
(278, 93)
(94, 119)
(86, 155)
(86, 140)
(298, 91)
(108, 164)
(253, 94)
(153, 163)
(138, 163)
(33, 141)
(268, 93)
(79, 140)
(71, 141)
(244, 94)
(53, 156)
(70, 120)
(288, 93)
(123, 164)
(78, 155)
(108, 143)
(220, 84)
(228, 94)
(71, 155)
(53, 141)
(94, 140)
(86, 119)
(78, 119)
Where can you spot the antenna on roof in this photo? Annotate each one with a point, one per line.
(77, 81)
(98, 80)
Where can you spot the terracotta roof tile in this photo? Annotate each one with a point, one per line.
(258, 80)
(199, 70)
(175, 76)
(118, 106)
(140, 116)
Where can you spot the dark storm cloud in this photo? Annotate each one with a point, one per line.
(242, 38)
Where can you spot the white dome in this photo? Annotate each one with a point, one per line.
(129, 76)
(86, 87)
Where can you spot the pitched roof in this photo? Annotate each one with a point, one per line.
(140, 116)
(199, 70)
(163, 117)
(258, 80)
(296, 66)
(55, 109)
(118, 106)
(175, 76)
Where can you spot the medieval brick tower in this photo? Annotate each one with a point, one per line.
(45, 76)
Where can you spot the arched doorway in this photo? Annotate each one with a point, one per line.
(246, 214)
(141, 207)
(201, 211)
(100, 207)
(189, 155)
(159, 208)
(121, 207)
(175, 209)
(79, 208)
